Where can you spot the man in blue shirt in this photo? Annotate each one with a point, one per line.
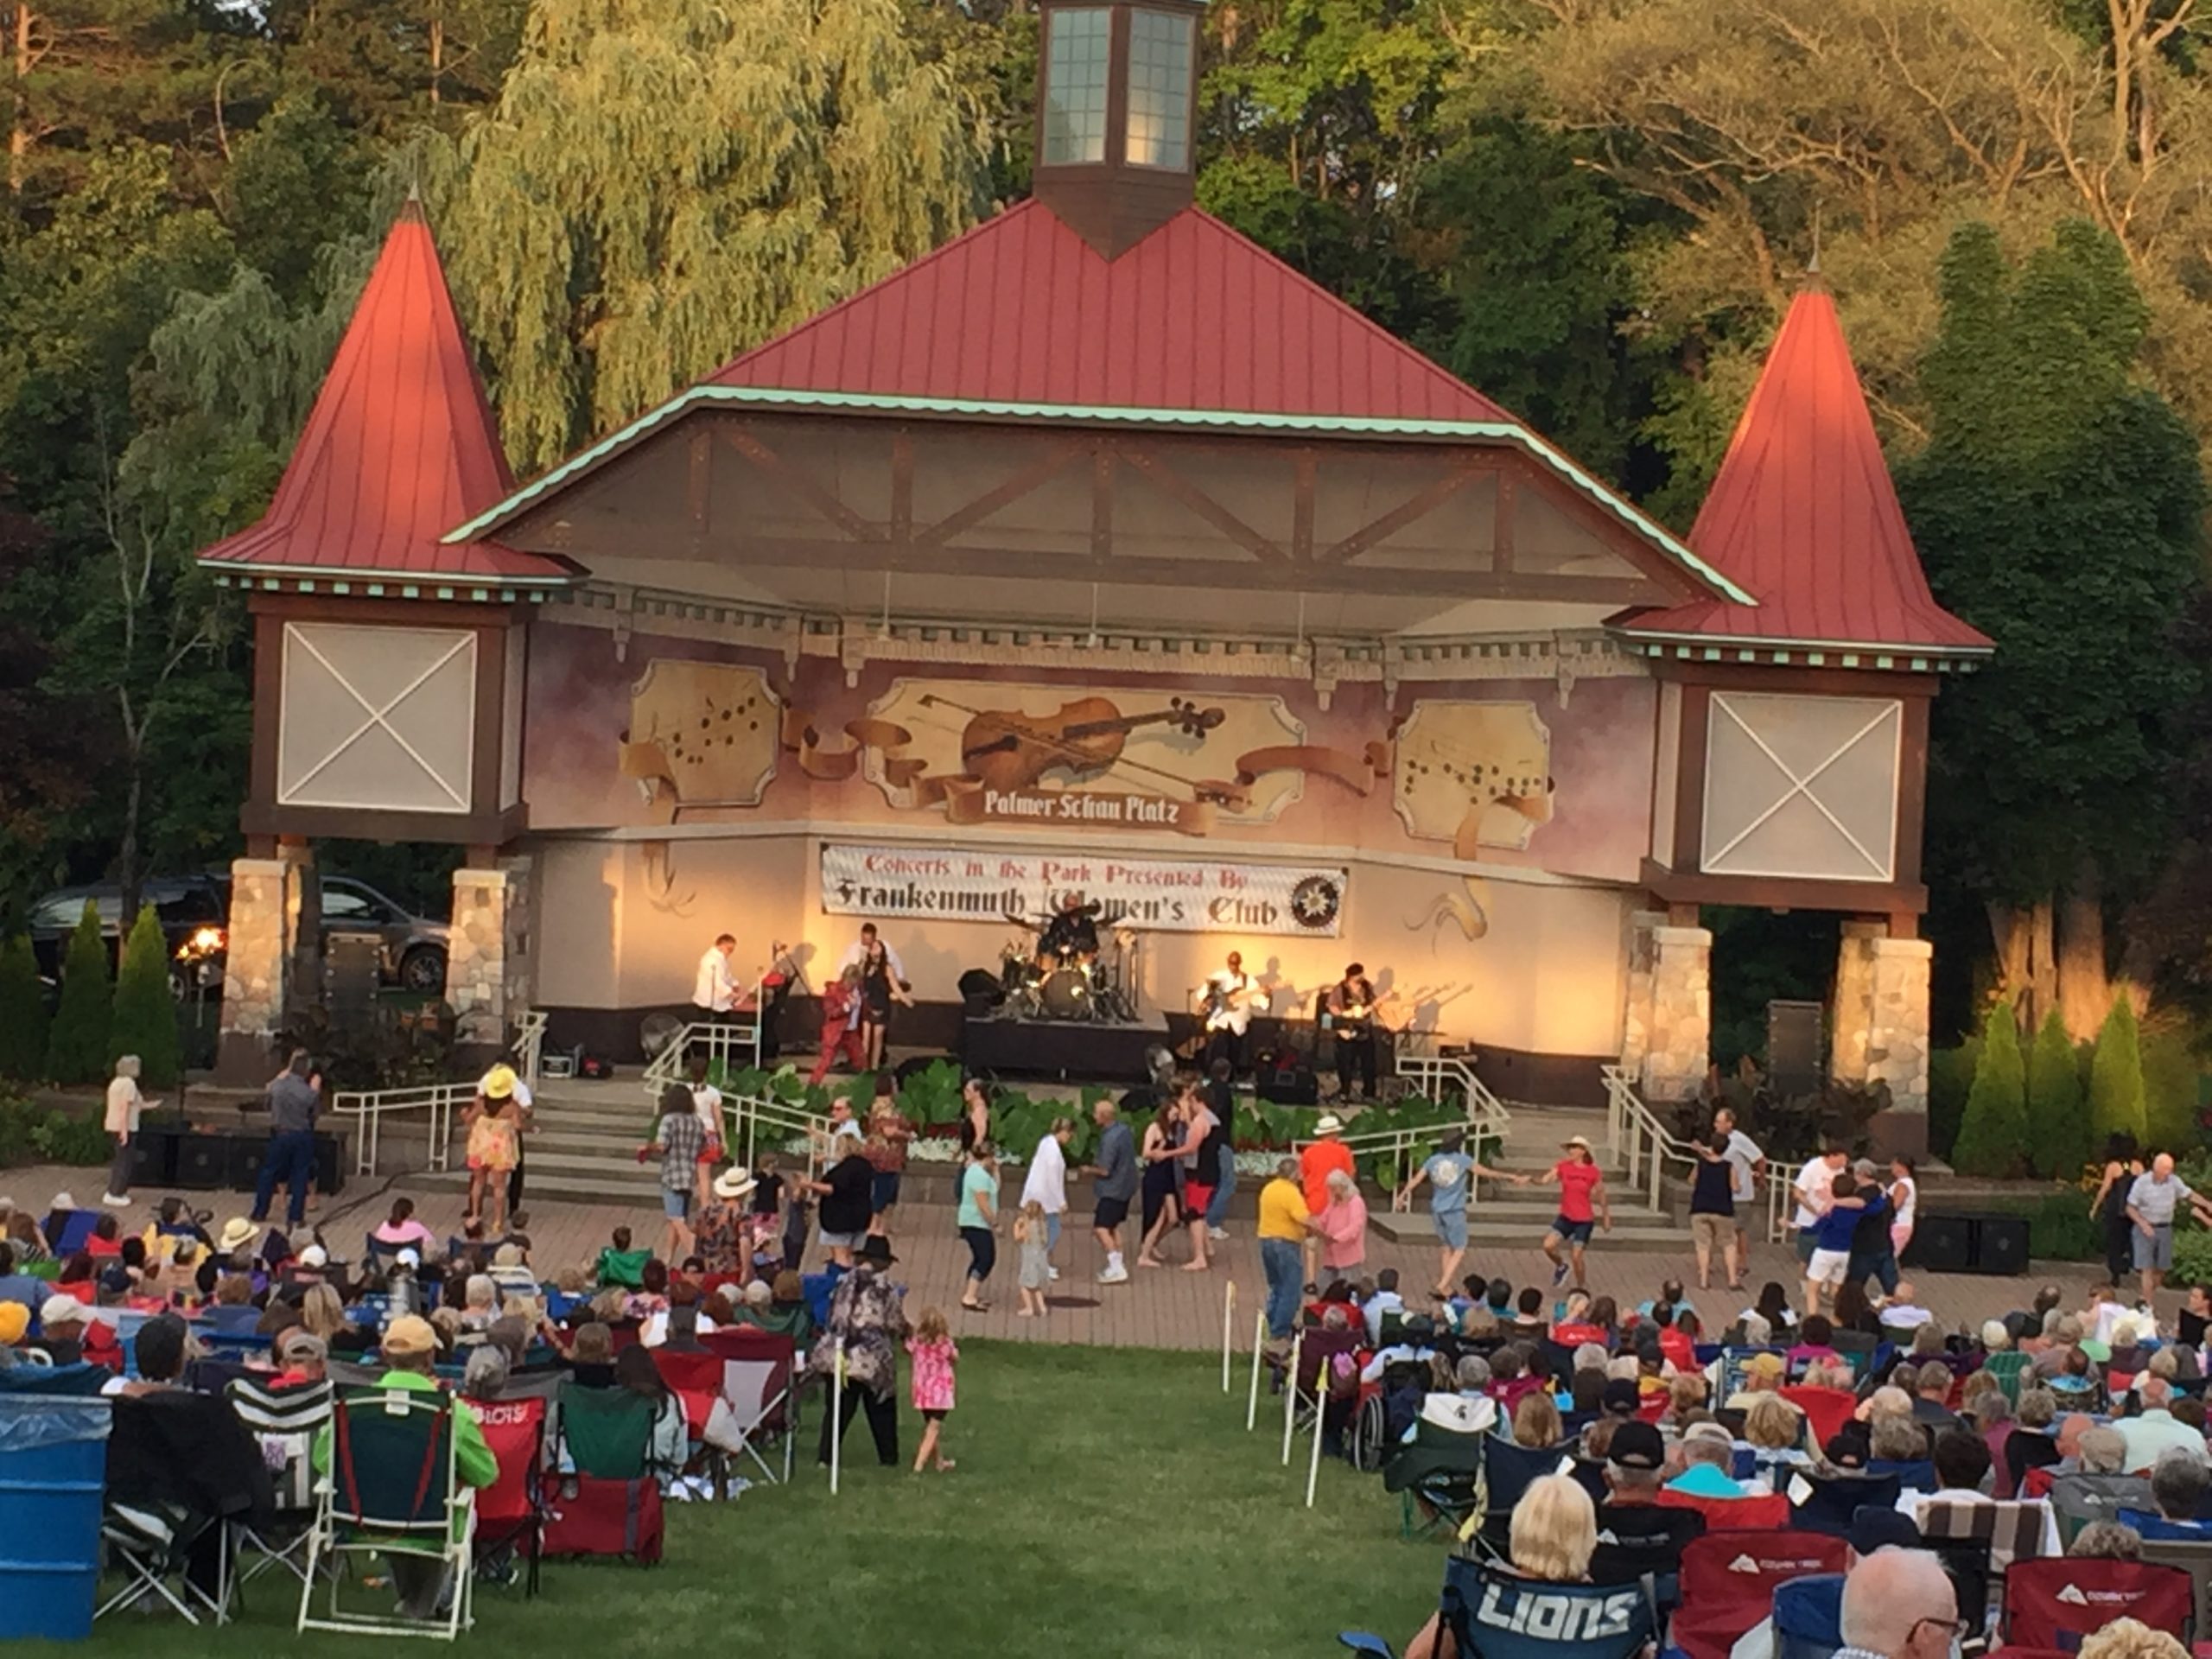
(1450, 1173)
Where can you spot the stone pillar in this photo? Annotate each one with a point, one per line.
(521, 923)
(1852, 1018)
(476, 958)
(1676, 1056)
(260, 954)
(1636, 1021)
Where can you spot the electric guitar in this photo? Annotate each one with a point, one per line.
(1229, 1008)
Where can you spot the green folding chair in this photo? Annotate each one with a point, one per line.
(394, 1490)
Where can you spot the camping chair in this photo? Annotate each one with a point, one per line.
(2193, 1559)
(1316, 1383)
(1729, 1579)
(1495, 1614)
(2006, 1365)
(1641, 1541)
(180, 1466)
(2026, 1449)
(756, 1403)
(607, 1500)
(2054, 1604)
(1967, 1561)
(1830, 1500)
(696, 1378)
(2077, 1499)
(2016, 1529)
(284, 1423)
(1440, 1470)
(1770, 1511)
(511, 1511)
(1913, 1474)
(1826, 1410)
(393, 1489)
(1808, 1617)
(1508, 1470)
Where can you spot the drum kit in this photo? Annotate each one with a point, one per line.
(1065, 982)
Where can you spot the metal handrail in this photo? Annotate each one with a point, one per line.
(530, 1044)
(744, 1116)
(370, 1107)
(1643, 1145)
(723, 1040)
(1439, 1078)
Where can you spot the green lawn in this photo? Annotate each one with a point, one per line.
(1106, 1502)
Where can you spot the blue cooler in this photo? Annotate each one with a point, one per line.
(53, 1475)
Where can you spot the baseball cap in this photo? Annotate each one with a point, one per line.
(314, 1257)
(1638, 1445)
(1581, 1141)
(409, 1257)
(1714, 1432)
(15, 1321)
(409, 1334)
(1620, 1396)
(61, 1310)
(1766, 1365)
(300, 1343)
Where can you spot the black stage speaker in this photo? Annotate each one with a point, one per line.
(1285, 1077)
(153, 1157)
(203, 1162)
(247, 1154)
(980, 992)
(2001, 1245)
(1941, 1245)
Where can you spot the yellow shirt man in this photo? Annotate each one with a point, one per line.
(1282, 1210)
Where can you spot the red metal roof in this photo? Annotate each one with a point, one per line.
(1021, 309)
(1803, 513)
(400, 446)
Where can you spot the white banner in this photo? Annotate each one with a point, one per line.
(1171, 896)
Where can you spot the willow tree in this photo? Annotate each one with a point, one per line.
(664, 182)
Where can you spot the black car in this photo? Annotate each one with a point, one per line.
(194, 911)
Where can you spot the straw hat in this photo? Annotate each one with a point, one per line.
(1330, 1124)
(734, 1183)
(500, 1082)
(238, 1233)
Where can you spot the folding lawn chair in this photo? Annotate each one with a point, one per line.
(1440, 1471)
(284, 1423)
(2193, 1559)
(1830, 1500)
(1914, 1474)
(757, 1404)
(1319, 1384)
(393, 1489)
(1729, 1579)
(1826, 1410)
(696, 1378)
(1498, 1616)
(606, 1499)
(1770, 1511)
(2016, 1529)
(2055, 1603)
(1509, 1470)
(1808, 1617)
(180, 1466)
(511, 1511)
(2077, 1499)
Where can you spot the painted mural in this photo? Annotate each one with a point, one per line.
(661, 730)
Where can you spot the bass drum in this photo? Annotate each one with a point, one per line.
(1065, 994)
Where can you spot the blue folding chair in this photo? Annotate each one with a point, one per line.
(1834, 1499)
(1808, 1617)
(1508, 1471)
(1497, 1615)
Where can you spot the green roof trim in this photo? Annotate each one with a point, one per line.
(271, 580)
(1213, 420)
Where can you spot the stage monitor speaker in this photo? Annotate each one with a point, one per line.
(980, 984)
(2000, 1245)
(248, 1152)
(1795, 1064)
(1941, 1245)
(329, 1165)
(203, 1162)
(153, 1157)
(1288, 1081)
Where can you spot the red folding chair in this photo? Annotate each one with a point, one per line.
(1768, 1511)
(756, 1402)
(1826, 1410)
(696, 1378)
(2055, 1602)
(1728, 1580)
(511, 1511)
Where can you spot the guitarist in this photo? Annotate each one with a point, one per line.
(1352, 1022)
(1230, 996)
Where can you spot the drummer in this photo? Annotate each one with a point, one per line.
(1071, 935)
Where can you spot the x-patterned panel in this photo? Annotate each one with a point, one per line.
(1802, 787)
(376, 717)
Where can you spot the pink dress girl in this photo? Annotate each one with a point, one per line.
(932, 1373)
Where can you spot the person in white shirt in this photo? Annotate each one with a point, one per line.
(1903, 1312)
(1813, 1187)
(1046, 1184)
(1905, 1203)
(2154, 1431)
(124, 1102)
(714, 992)
(1745, 1162)
(1230, 997)
(856, 953)
(707, 1102)
(1385, 1299)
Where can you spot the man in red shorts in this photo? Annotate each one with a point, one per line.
(1583, 1204)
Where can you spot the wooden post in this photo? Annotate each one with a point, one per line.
(1227, 1316)
(1252, 1400)
(1320, 1417)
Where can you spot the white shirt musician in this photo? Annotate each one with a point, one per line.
(856, 953)
(1231, 996)
(713, 992)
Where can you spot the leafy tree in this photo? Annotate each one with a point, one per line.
(76, 1044)
(145, 1008)
(23, 1011)
(663, 182)
(2058, 507)
(1993, 1139)
(2116, 1102)
(2058, 1119)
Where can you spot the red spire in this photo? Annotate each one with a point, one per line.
(1803, 515)
(400, 446)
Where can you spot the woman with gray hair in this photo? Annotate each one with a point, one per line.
(485, 1378)
(1343, 1227)
(124, 1102)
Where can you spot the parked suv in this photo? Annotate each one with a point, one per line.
(194, 911)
